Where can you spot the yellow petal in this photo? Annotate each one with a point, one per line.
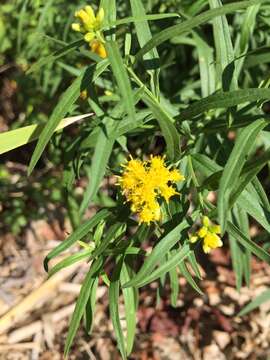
(82, 15)
(90, 13)
(98, 48)
(89, 36)
(193, 239)
(212, 241)
(76, 27)
(206, 249)
(202, 232)
(206, 221)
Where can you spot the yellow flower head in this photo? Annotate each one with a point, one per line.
(209, 233)
(144, 182)
(90, 25)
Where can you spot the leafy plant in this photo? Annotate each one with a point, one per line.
(194, 90)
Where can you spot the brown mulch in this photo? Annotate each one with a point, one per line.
(34, 312)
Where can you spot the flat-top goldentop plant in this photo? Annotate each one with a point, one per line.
(165, 86)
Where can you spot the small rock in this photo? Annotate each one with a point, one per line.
(222, 338)
(213, 352)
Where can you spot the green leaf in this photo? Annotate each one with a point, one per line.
(78, 234)
(167, 127)
(114, 308)
(224, 50)
(130, 307)
(240, 255)
(185, 272)
(103, 149)
(259, 300)
(194, 264)
(56, 55)
(70, 260)
(13, 139)
(206, 65)
(223, 100)
(85, 291)
(188, 25)
(174, 282)
(121, 77)
(164, 245)
(250, 170)
(144, 34)
(62, 108)
(236, 254)
(244, 144)
(250, 202)
(90, 306)
(21, 20)
(139, 17)
(116, 230)
(247, 243)
(170, 264)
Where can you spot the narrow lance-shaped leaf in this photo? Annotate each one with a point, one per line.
(224, 50)
(168, 129)
(259, 300)
(130, 307)
(223, 100)
(164, 245)
(121, 77)
(103, 149)
(144, 34)
(247, 243)
(62, 108)
(13, 139)
(114, 307)
(81, 302)
(188, 25)
(234, 165)
(78, 234)
(160, 271)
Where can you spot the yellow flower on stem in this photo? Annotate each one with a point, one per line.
(209, 233)
(90, 25)
(145, 182)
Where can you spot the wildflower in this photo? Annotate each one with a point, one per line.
(90, 25)
(144, 183)
(209, 234)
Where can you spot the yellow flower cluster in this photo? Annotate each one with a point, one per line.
(144, 182)
(209, 234)
(90, 25)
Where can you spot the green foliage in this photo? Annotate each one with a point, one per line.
(184, 78)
